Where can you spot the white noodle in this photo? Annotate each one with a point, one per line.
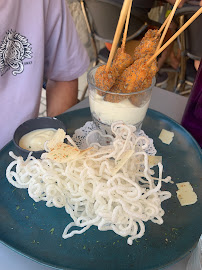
(88, 190)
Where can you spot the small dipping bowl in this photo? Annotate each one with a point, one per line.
(108, 107)
(31, 125)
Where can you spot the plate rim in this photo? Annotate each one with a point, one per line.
(197, 147)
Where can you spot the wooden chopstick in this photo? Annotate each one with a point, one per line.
(175, 35)
(126, 28)
(163, 25)
(119, 28)
(168, 23)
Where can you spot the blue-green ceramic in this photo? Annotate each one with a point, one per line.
(35, 231)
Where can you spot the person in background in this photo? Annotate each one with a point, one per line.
(38, 42)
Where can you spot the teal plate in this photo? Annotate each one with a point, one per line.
(35, 230)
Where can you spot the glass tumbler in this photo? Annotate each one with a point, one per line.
(108, 107)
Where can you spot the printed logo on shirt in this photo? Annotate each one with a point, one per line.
(13, 50)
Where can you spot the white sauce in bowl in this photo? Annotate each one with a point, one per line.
(34, 140)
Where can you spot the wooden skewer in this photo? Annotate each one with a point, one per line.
(175, 35)
(168, 24)
(126, 28)
(119, 29)
(163, 25)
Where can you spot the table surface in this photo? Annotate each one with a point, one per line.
(163, 101)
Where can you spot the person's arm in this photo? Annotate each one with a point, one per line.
(60, 96)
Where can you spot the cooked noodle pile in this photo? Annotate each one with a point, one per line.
(110, 187)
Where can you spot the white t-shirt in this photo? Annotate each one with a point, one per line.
(38, 40)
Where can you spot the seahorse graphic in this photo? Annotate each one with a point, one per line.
(13, 50)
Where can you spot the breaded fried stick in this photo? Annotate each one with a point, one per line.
(148, 44)
(122, 60)
(145, 49)
(136, 77)
(106, 79)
